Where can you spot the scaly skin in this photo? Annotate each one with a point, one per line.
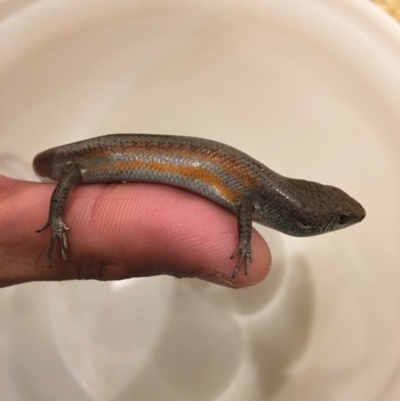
(214, 170)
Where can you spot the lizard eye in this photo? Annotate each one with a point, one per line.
(343, 218)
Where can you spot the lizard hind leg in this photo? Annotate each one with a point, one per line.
(70, 176)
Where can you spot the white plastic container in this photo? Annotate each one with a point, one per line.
(310, 88)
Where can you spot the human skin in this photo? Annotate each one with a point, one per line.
(118, 231)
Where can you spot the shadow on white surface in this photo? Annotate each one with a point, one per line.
(307, 88)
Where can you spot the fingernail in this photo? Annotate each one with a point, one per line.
(220, 279)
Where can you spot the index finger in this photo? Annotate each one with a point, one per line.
(119, 231)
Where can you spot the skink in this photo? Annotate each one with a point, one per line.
(214, 170)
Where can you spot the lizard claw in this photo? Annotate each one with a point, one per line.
(58, 228)
(246, 255)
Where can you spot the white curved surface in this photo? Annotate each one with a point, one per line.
(311, 89)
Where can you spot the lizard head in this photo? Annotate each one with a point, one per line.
(333, 210)
(307, 208)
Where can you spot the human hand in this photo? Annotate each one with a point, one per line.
(118, 231)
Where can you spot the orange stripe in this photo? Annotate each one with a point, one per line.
(237, 169)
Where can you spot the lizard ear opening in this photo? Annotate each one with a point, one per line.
(302, 225)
